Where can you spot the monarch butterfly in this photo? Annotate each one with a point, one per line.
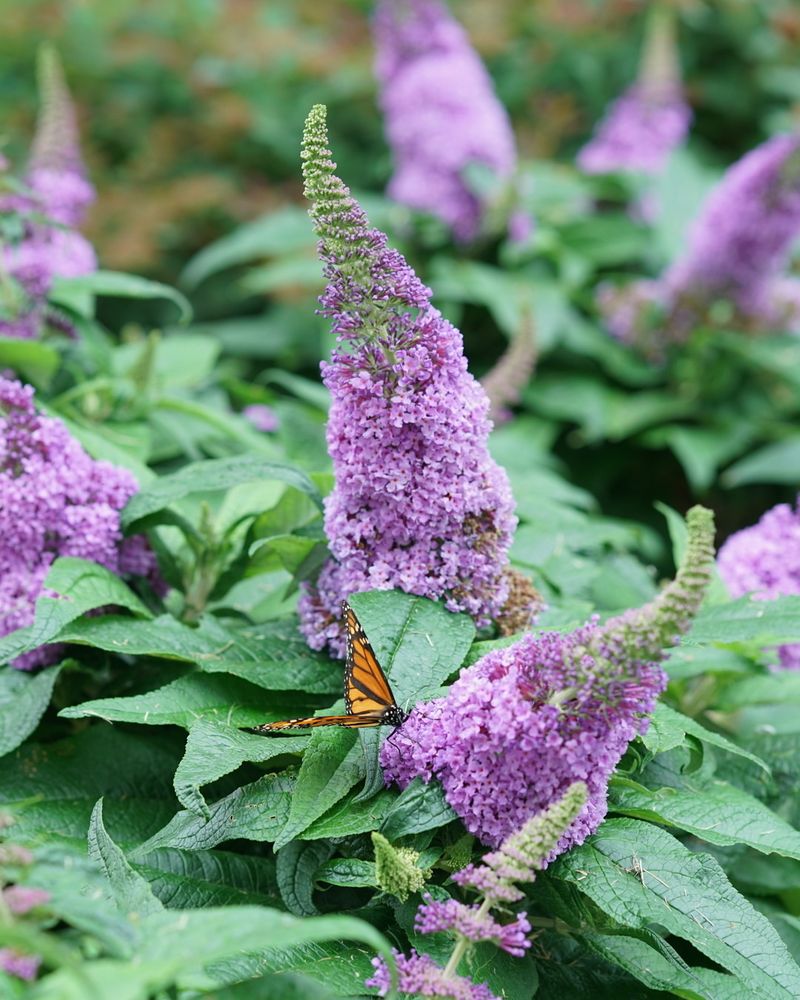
(367, 694)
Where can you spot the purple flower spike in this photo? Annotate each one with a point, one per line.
(737, 253)
(651, 118)
(418, 504)
(764, 560)
(56, 202)
(524, 723)
(16, 964)
(54, 501)
(441, 112)
(420, 976)
(262, 417)
(20, 899)
(473, 923)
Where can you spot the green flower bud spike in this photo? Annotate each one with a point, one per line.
(396, 868)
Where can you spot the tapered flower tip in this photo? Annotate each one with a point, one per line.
(55, 144)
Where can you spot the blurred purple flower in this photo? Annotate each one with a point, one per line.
(420, 976)
(418, 504)
(58, 194)
(738, 249)
(441, 112)
(638, 133)
(262, 417)
(525, 722)
(20, 898)
(19, 965)
(54, 501)
(764, 560)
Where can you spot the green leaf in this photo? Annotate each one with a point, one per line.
(641, 876)
(183, 701)
(774, 463)
(214, 749)
(208, 476)
(23, 700)
(712, 810)
(51, 789)
(119, 285)
(652, 961)
(419, 807)
(83, 586)
(283, 231)
(349, 872)
(132, 893)
(333, 763)
(190, 879)
(764, 623)
(283, 986)
(779, 687)
(257, 811)
(668, 728)
(349, 817)
(35, 361)
(297, 864)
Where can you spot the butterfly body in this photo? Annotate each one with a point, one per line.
(367, 693)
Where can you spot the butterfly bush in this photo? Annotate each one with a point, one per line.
(441, 113)
(54, 501)
(49, 206)
(737, 254)
(418, 503)
(526, 721)
(651, 118)
(518, 859)
(764, 560)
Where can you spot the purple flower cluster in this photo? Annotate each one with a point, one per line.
(262, 417)
(764, 560)
(419, 975)
(441, 112)
(20, 899)
(54, 203)
(435, 916)
(418, 504)
(737, 253)
(15, 963)
(54, 501)
(638, 133)
(525, 722)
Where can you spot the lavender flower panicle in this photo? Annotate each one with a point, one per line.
(651, 118)
(441, 112)
(54, 501)
(435, 916)
(57, 198)
(525, 722)
(262, 417)
(420, 976)
(418, 504)
(15, 963)
(764, 560)
(737, 253)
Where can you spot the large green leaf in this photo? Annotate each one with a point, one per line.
(183, 701)
(187, 879)
(130, 890)
(774, 463)
(712, 810)
(779, 687)
(36, 361)
(349, 817)
(333, 762)
(642, 877)
(83, 586)
(51, 789)
(214, 749)
(419, 807)
(118, 285)
(273, 655)
(667, 730)
(253, 812)
(208, 476)
(765, 623)
(297, 864)
(23, 700)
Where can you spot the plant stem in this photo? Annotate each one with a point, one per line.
(463, 942)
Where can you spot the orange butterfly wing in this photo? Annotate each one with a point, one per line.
(367, 694)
